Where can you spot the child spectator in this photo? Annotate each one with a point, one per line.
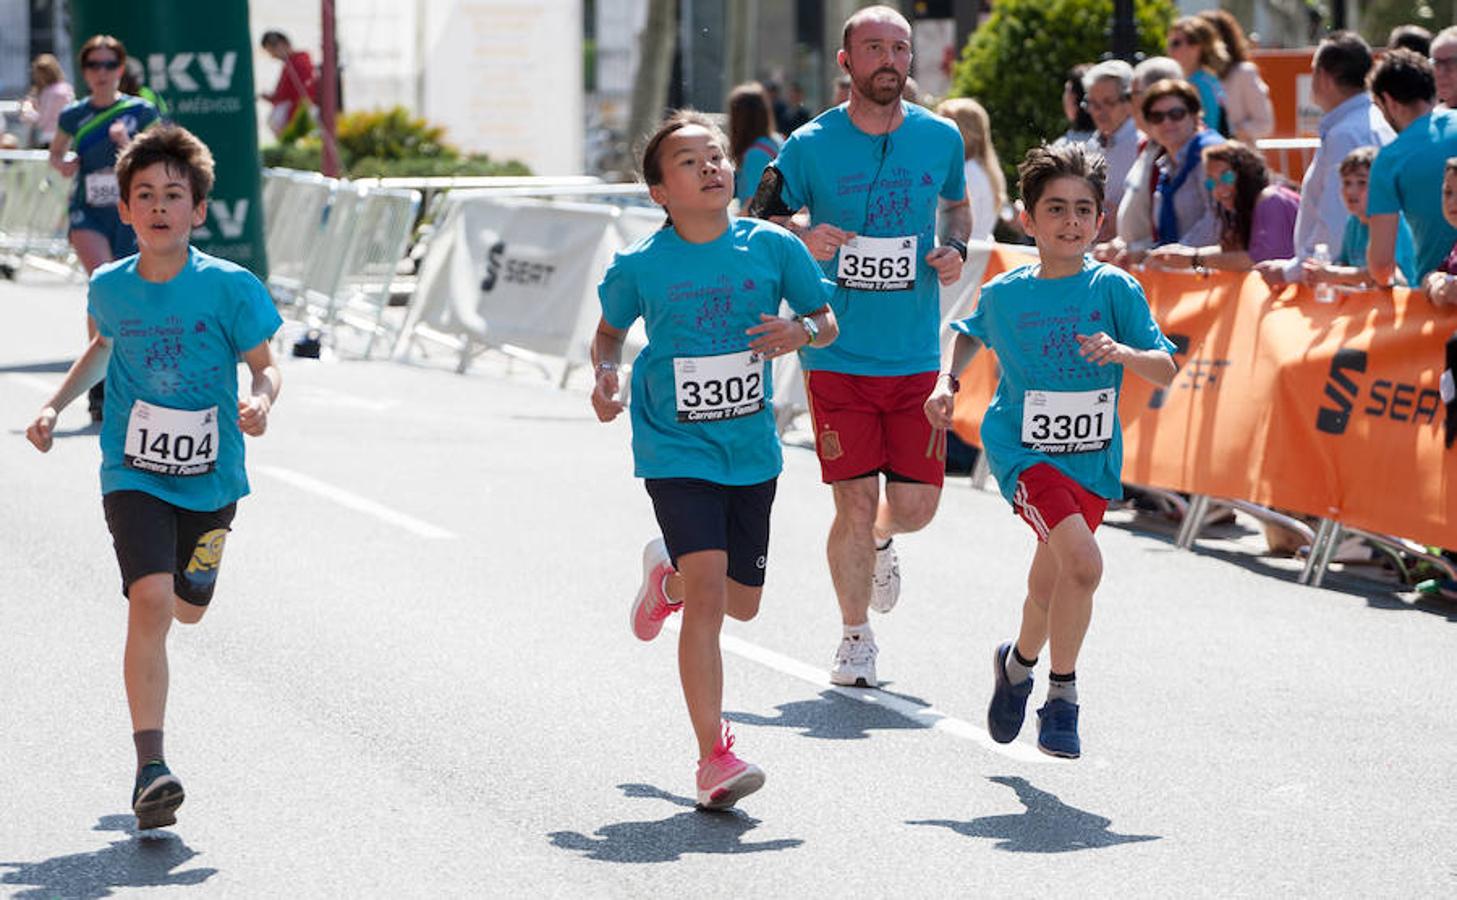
(1349, 266)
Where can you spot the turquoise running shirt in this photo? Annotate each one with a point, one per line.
(170, 423)
(886, 187)
(701, 400)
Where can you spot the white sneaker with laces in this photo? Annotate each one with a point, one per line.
(855, 662)
(885, 584)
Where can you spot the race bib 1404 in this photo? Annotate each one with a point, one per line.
(167, 441)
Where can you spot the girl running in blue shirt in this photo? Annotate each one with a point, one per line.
(1064, 329)
(708, 289)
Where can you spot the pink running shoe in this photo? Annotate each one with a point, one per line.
(723, 778)
(652, 605)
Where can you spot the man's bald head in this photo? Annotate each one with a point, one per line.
(873, 14)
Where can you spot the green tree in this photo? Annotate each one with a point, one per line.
(1015, 63)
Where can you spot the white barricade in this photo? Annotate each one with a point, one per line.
(514, 273)
(34, 199)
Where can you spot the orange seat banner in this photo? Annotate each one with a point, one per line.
(1331, 410)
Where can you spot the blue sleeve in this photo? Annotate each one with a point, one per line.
(975, 325)
(954, 187)
(96, 308)
(1382, 195)
(66, 122)
(1348, 243)
(621, 301)
(1133, 320)
(255, 319)
(801, 279)
(1406, 252)
(796, 193)
(746, 180)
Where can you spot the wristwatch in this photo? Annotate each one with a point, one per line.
(958, 246)
(810, 326)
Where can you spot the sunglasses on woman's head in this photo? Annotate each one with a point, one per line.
(1225, 177)
(1173, 114)
(110, 65)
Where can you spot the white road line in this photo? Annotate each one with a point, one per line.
(32, 381)
(355, 502)
(926, 716)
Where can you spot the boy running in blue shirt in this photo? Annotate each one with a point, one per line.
(708, 289)
(171, 323)
(1064, 329)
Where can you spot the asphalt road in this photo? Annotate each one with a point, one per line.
(417, 679)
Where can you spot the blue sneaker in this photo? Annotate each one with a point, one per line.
(156, 797)
(1009, 701)
(1057, 729)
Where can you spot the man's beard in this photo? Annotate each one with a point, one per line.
(882, 94)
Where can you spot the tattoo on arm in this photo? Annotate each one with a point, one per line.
(956, 222)
(768, 200)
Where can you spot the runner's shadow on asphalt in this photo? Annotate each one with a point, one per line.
(144, 859)
(59, 367)
(667, 840)
(1048, 825)
(834, 717)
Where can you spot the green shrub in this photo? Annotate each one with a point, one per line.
(382, 144)
(1015, 64)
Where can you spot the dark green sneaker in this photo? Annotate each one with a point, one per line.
(156, 797)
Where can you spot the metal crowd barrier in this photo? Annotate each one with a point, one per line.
(33, 208)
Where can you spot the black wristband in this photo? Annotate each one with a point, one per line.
(958, 246)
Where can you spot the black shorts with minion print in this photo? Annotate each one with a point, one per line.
(152, 537)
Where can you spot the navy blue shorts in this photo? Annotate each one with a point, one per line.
(699, 515)
(106, 221)
(152, 537)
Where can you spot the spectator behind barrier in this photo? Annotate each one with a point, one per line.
(1106, 91)
(1441, 284)
(753, 140)
(1411, 37)
(50, 93)
(1134, 229)
(1257, 218)
(1349, 266)
(986, 186)
(296, 84)
(1444, 66)
(1080, 124)
(1350, 121)
(1247, 105)
(1205, 60)
(1183, 211)
(842, 91)
(798, 113)
(1407, 174)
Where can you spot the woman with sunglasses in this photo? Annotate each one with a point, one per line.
(97, 127)
(1257, 217)
(1205, 60)
(1182, 210)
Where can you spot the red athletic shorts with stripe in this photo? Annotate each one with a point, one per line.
(1045, 496)
(870, 424)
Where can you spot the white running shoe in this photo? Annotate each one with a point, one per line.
(855, 662)
(885, 584)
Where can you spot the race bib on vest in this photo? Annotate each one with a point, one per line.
(717, 388)
(102, 189)
(171, 441)
(1068, 421)
(878, 264)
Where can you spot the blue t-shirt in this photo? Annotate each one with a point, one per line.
(696, 301)
(1357, 237)
(746, 178)
(828, 166)
(1211, 98)
(90, 131)
(1406, 177)
(176, 344)
(1032, 323)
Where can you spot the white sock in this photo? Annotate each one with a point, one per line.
(859, 632)
(671, 601)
